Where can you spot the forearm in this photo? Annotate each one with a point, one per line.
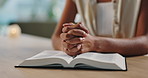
(67, 16)
(126, 47)
(56, 43)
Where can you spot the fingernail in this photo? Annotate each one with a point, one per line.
(82, 39)
(79, 46)
(66, 49)
(64, 40)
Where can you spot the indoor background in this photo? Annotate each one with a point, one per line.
(35, 17)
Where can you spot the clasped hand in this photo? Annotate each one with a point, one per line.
(76, 39)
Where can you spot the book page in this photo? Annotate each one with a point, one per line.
(100, 60)
(101, 57)
(52, 54)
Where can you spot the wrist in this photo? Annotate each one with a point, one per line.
(102, 44)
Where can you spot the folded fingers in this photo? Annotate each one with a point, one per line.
(77, 32)
(69, 26)
(65, 36)
(73, 51)
(75, 40)
(68, 46)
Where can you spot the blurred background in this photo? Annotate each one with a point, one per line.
(36, 17)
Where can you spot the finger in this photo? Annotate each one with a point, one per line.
(69, 46)
(69, 53)
(73, 54)
(75, 40)
(77, 32)
(81, 26)
(68, 28)
(68, 24)
(75, 26)
(65, 36)
(75, 49)
(65, 50)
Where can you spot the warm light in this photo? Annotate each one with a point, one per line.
(14, 31)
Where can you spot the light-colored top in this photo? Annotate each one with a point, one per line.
(125, 17)
(105, 19)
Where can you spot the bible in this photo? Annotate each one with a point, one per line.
(89, 60)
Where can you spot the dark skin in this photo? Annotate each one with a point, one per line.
(75, 39)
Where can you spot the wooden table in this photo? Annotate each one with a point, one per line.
(14, 51)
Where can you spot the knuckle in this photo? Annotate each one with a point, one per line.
(65, 36)
(71, 31)
(61, 35)
(63, 29)
(64, 44)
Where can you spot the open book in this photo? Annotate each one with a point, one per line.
(90, 60)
